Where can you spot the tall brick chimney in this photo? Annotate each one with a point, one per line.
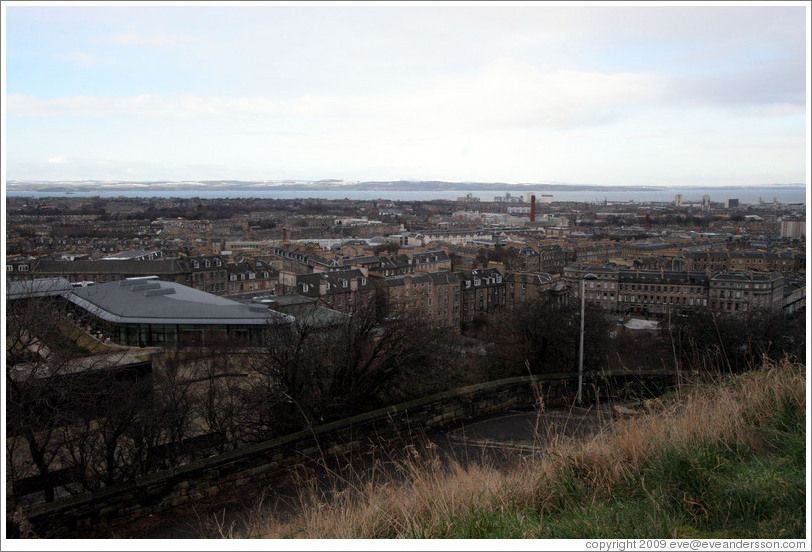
(532, 208)
(284, 235)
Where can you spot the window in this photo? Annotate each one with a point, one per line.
(9, 268)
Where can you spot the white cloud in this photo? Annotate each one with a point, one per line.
(150, 106)
(504, 94)
(58, 160)
(148, 39)
(87, 60)
(508, 93)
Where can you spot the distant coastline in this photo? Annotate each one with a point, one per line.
(406, 191)
(356, 186)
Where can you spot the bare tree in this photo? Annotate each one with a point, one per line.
(544, 337)
(42, 383)
(315, 374)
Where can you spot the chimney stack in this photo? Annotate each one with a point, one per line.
(532, 208)
(284, 235)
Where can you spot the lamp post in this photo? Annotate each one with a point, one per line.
(581, 347)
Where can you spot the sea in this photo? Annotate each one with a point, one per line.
(754, 195)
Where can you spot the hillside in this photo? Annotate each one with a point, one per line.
(721, 460)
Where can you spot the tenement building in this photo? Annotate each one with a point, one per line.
(342, 290)
(525, 287)
(746, 291)
(483, 291)
(601, 291)
(660, 292)
(740, 261)
(433, 297)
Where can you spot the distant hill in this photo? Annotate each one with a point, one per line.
(335, 184)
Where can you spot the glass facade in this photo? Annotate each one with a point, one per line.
(168, 335)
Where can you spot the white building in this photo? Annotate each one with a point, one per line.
(793, 228)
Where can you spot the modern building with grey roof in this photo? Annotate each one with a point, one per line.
(151, 312)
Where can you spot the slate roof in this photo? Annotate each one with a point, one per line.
(540, 278)
(400, 279)
(161, 266)
(430, 257)
(131, 254)
(443, 277)
(41, 287)
(338, 280)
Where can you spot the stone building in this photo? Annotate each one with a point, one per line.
(663, 292)
(483, 292)
(433, 297)
(660, 292)
(525, 287)
(342, 290)
(740, 292)
(251, 276)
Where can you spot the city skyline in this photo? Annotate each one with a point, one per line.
(667, 95)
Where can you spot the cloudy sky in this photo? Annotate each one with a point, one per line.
(643, 95)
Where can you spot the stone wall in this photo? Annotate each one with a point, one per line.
(100, 513)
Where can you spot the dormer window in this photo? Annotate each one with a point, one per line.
(218, 262)
(305, 288)
(233, 277)
(208, 263)
(265, 275)
(195, 264)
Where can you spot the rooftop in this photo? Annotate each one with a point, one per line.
(43, 287)
(153, 301)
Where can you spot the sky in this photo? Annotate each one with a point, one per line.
(659, 94)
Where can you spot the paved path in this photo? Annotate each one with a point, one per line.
(500, 439)
(532, 430)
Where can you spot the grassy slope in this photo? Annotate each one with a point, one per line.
(717, 461)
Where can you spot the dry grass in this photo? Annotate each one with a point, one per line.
(431, 497)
